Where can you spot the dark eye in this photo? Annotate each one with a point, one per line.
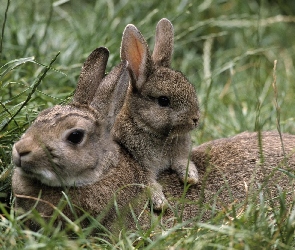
(163, 101)
(76, 136)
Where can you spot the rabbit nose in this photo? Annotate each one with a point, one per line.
(20, 150)
(195, 121)
(16, 158)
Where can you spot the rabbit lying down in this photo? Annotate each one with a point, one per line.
(234, 169)
(156, 89)
(226, 167)
(70, 149)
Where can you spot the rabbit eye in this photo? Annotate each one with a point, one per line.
(163, 101)
(76, 136)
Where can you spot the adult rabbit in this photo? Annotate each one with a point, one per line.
(232, 172)
(70, 149)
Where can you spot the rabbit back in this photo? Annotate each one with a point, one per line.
(233, 171)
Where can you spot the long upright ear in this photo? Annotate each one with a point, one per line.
(119, 94)
(110, 94)
(134, 49)
(164, 40)
(91, 75)
(120, 91)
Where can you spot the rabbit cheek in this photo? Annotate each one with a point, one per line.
(158, 121)
(77, 170)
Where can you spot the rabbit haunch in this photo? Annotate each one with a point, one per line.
(234, 171)
(160, 110)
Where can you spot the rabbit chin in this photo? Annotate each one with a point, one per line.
(44, 176)
(52, 179)
(181, 130)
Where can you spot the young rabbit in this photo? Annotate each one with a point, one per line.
(69, 149)
(160, 110)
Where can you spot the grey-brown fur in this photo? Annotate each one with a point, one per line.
(231, 171)
(51, 157)
(156, 134)
(83, 94)
(96, 199)
(224, 165)
(233, 161)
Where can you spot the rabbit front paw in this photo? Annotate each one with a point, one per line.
(187, 172)
(158, 199)
(192, 174)
(159, 202)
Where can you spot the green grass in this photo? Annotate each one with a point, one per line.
(226, 48)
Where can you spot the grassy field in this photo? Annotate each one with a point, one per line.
(232, 51)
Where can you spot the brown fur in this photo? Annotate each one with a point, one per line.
(224, 165)
(232, 172)
(157, 135)
(96, 199)
(50, 159)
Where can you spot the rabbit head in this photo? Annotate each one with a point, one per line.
(70, 145)
(163, 101)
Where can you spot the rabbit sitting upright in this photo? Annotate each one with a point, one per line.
(160, 110)
(69, 148)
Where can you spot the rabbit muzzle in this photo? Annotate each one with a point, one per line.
(185, 122)
(30, 159)
(16, 157)
(195, 122)
(22, 152)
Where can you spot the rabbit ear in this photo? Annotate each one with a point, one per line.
(91, 75)
(164, 40)
(119, 94)
(134, 49)
(120, 91)
(110, 94)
